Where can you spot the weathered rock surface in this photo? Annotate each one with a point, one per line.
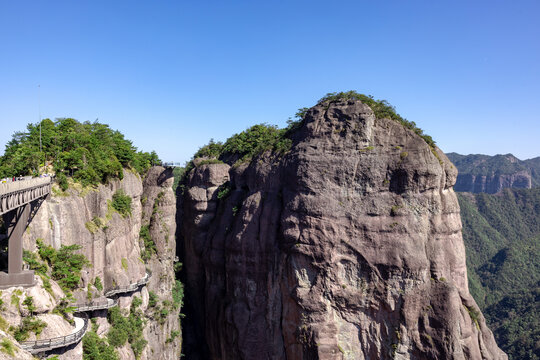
(347, 247)
(10, 350)
(111, 243)
(159, 212)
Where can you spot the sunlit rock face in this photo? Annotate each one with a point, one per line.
(347, 247)
(111, 243)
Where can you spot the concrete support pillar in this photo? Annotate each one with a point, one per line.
(16, 222)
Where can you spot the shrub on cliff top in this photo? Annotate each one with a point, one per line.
(90, 153)
(382, 109)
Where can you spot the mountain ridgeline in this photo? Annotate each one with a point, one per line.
(491, 174)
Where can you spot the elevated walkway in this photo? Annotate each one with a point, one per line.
(19, 202)
(81, 322)
(38, 346)
(18, 193)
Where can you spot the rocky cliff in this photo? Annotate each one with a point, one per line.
(111, 242)
(491, 174)
(348, 246)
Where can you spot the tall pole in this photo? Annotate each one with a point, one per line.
(39, 110)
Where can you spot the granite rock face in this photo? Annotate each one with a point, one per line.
(111, 243)
(347, 247)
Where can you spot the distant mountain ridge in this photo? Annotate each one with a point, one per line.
(502, 238)
(479, 173)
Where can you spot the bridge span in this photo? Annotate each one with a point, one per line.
(19, 201)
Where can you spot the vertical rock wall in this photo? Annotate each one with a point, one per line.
(111, 243)
(347, 247)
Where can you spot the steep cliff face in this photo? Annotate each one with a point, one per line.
(159, 213)
(492, 174)
(494, 183)
(347, 247)
(111, 243)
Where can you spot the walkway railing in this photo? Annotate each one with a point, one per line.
(171, 164)
(95, 305)
(130, 287)
(38, 346)
(18, 193)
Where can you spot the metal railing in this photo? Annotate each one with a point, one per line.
(171, 164)
(130, 287)
(18, 193)
(95, 305)
(38, 346)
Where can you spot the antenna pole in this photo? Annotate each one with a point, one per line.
(39, 110)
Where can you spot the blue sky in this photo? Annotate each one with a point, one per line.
(170, 75)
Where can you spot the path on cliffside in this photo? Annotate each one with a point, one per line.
(81, 322)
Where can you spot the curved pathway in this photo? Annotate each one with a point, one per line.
(81, 322)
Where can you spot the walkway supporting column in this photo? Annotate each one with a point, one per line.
(16, 222)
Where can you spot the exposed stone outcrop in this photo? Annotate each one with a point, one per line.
(159, 212)
(347, 247)
(111, 243)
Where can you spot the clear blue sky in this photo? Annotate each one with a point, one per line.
(170, 75)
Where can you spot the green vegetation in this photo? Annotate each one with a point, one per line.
(91, 153)
(63, 309)
(475, 315)
(124, 264)
(4, 325)
(224, 190)
(147, 243)
(7, 347)
(34, 263)
(29, 303)
(178, 294)
(477, 164)
(66, 265)
(128, 328)
(121, 203)
(502, 238)
(256, 140)
(15, 299)
(162, 311)
(152, 299)
(96, 348)
(29, 324)
(97, 283)
(178, 173)
(381, 108)
(91, 226)
(174, 335)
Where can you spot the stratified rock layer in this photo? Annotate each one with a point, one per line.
(347, 247)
